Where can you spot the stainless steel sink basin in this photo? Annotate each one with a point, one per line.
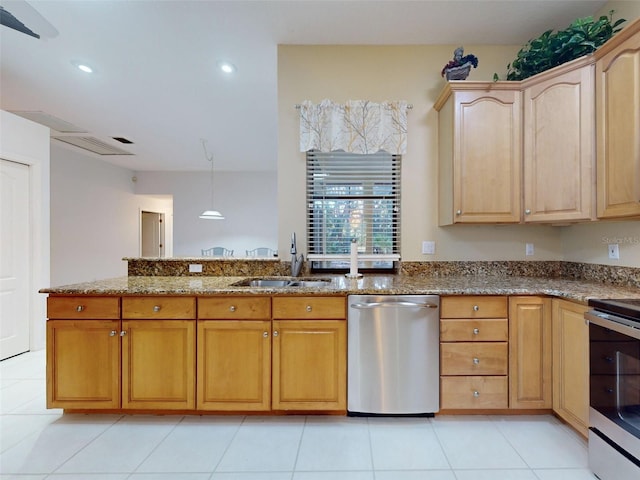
(268, 283)
(310, 283)
(284, 282)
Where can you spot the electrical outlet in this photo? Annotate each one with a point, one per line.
(428, 247)
(529, 250)
(614, 252)
(195, 268)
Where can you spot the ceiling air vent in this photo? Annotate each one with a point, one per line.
(92, 144)
(54, 123)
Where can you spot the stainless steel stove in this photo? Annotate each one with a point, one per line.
(614, 388)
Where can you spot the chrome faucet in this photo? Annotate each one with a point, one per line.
(296, 262)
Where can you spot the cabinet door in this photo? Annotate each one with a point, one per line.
(309, 365)
(618, 124)
(559, 147)
(83, 364)
(487, 156)
(571, 364)
(158, 364)
(234, 365)
(530, 352)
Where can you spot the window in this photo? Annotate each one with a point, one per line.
(353, 196)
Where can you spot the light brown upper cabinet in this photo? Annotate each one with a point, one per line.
(480, 144)
(553, 143)
(559, 144)
(618, 124)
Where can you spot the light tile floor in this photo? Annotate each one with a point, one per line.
(37, 444)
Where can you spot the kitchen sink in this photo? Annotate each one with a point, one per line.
(283, 282)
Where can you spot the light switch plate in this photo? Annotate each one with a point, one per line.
(614, 252)
(529, 249)
(428, 247)
(195, 268)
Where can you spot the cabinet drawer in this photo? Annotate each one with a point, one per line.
(474, 392)
(107, 308)
(469, 330)
(244, 308)
(474, 306)
(468, 358)
(309, 307)
(159, 307)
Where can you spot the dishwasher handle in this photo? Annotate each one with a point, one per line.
(364, 306)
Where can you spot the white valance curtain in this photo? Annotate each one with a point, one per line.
(358, 126)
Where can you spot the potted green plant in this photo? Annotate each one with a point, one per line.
(551, 49)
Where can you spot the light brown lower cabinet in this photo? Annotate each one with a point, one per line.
(234, 365)
(571, 364)
(309, 365)
(158, 364)
(474, 392)
(83, 364)
(530, 352)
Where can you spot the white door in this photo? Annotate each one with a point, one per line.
(14, 258)
(152, 234)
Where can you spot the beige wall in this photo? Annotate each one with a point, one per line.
(412, 73)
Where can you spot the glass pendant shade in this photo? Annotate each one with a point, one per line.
(211, 215)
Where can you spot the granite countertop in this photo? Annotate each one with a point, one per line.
(576, 290)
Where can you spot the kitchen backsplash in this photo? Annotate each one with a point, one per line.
(610, 275)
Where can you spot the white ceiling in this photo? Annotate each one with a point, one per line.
(156, 82)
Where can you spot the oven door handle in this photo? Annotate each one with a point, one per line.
(611, 324)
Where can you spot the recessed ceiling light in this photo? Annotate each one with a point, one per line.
(82, 66)
(226, 67)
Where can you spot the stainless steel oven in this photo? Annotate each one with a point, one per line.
(614, 389)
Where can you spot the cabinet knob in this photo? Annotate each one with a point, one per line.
(232, 308)
(156, 308)
(476, 360)
(113, 333)
(275, 334)
(123, 333)
(308, 308)
(527, 212)
(476, 331)
(265, 334)
(476, 308)
(79, 308)
(476, 393)
(458, 212)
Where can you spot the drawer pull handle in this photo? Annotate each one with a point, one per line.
(476, 308)
(123, 333)
(476, 393)
(112, 333)
(232, 308)
(156, 308)
(476, 360)
(79, 308)
(265, 334)
(308, 308)
(275, 334)
(476, 331)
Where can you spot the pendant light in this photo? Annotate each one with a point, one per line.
(210, 214)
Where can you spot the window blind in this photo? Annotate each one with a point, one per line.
(353, 196)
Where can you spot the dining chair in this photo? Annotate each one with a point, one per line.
(262, 252)
(217, 252)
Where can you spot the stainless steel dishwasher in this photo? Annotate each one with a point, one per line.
(393, 355)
